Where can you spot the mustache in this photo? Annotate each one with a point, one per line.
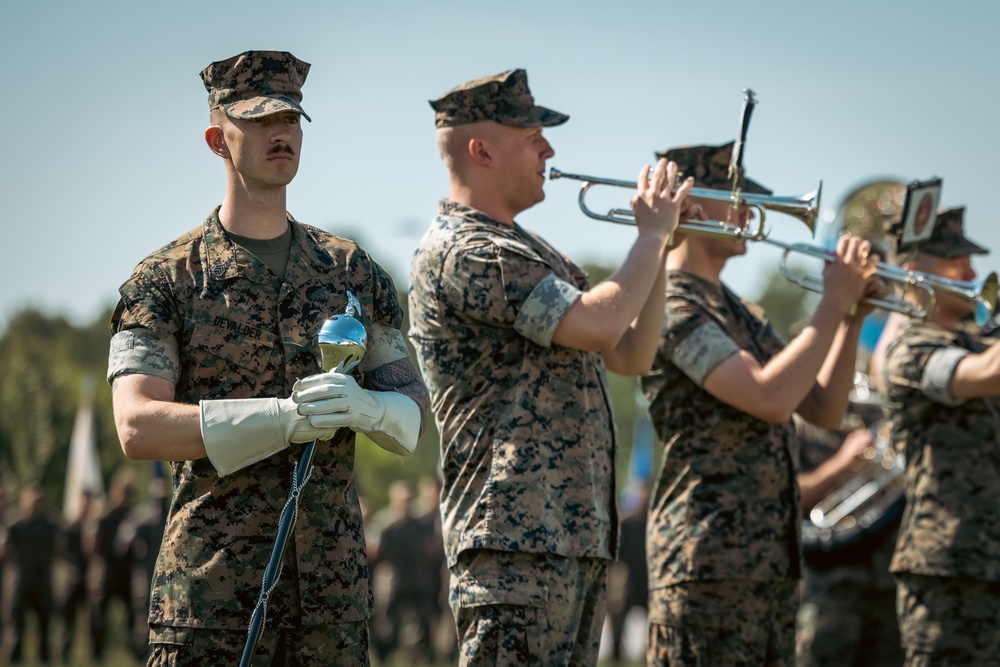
(281, 148)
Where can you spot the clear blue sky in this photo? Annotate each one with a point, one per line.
(104, 157)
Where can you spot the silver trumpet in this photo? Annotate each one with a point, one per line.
(804, 208)
(982, 294)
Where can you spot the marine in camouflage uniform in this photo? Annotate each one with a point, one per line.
(941, 388)
(209, 329)
(723, 527)
(528, 443)
(847, 617)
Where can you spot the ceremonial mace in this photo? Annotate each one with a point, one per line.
(736, 161)
(342, 344)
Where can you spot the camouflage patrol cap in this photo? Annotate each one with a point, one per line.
(503, 98)
(948, 239)
(256, 83)
(709, 165)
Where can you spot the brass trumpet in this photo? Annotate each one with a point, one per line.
(982, 294)
(803, 208)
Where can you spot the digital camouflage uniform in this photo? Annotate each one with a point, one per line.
(947, 556)
(527, 440)
(241, 332)
(848, 613)
(722, 533)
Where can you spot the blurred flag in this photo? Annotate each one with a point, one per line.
(83, 470)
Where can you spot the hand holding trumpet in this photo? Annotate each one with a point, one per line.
(659, 202)
(850, 279)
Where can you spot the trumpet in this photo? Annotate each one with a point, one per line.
(804, 208)
(982, 294)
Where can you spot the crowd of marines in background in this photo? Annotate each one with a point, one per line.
(521, 535)
(69, 574)
(64, 576)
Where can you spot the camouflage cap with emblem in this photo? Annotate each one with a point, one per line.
(256, 83)
(504, 98)
(709, 165)
(948, 239)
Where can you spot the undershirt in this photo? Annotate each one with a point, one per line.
(273, 252)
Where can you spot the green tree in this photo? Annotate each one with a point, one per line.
(46, 364)
(787, 306)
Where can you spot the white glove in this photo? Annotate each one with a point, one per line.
(390, 419)
(242, 431)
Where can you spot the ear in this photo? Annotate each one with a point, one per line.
(216, 141)
(480, 152)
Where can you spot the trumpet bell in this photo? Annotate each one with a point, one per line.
(980, 294)
(989, 293)
(804, 208)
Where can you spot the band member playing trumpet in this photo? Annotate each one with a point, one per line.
(513, 343)
(941, 382)
(722, 537)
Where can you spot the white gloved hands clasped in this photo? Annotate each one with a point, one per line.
(239, 432)
(334, 399)
(330, 400)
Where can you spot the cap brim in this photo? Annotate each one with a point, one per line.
(535, 116)
(953, 250)
(258, 107)
(751, 186)
(975, 249)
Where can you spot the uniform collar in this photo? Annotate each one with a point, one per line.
(227, 260)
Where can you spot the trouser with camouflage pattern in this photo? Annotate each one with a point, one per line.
(946, 621)
(730, 623)
(847, 624)
(342, 644)
(523, 609)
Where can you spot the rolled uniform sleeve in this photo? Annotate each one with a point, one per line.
(935, 381)
(142, 351)
(544, 308)
(146, 302)
(143, 327)
(385, 346)
(506, 284)
(702, 350)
